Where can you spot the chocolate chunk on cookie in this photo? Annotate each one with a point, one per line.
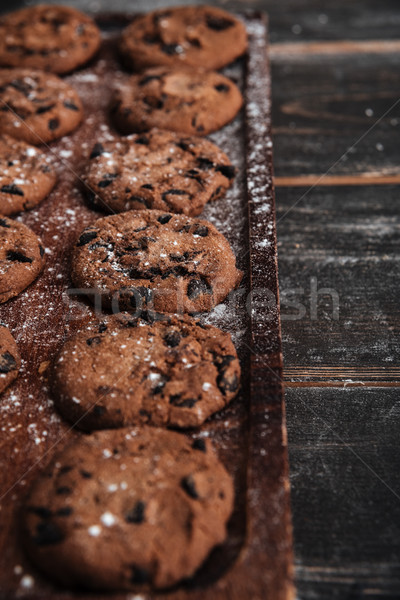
(52, 38)
(10, 360)
(149, 259)
(194, 36)
(123, 371)
(190, 101)
(37, 107)
(21, 257)
(161, 170)
(26, 176)
(127, 509)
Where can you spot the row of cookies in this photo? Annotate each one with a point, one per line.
(160, 169)
(174, 371)
(172, 172)
(142, 261)
(59, 39)
(39, 107)
(175, 50)
(179, 372)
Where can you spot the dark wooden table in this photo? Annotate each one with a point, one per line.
(336, 118)
(336, 124)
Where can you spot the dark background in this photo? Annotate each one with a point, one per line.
(336, 124)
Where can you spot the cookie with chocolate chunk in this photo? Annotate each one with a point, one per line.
(192, 101)
(195, 36)
(21, 257)
(153, 260)
(37, 107)
(124, 371)
(127, 509)
(52, 38)
(10, 360)
(26, 176)
(161, 170)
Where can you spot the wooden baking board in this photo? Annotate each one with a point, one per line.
(255, 562)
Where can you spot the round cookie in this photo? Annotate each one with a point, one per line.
(52, 38)
(26, 176)
(124, 371)
(37, 107)
(10, 361)
(21, 257)
(161, 170)
(127, 509)
(190, 101)
(195, 36)
(148, 259)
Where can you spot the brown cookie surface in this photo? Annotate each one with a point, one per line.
(160, 169)
(10, 360)
(149, 259)
(195, 36)
(37, 107)
(123, 371)
(190, 101)
(52, 38)
(128, 509)
(21, 258)
(26, 176)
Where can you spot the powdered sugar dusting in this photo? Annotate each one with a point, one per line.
(43, 315)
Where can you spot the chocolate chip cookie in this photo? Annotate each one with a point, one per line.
(190, 101)
(153, 260)
(160, 169)
(37, 107)
(195, 36)
(52, 38)
(124, 371)
(10, 360)
(21, 257)
(26, 176)
(127, 509)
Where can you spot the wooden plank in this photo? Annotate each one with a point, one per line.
(313, 180)
(342, 383)
(342, 375)
(336, 117)
(299, 49)
(338, 245)
(345, 486)
(293, 20)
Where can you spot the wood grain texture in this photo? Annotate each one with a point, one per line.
(299, 20)
(368, 178)
(336, 117)
(336, 165)
(347, 536)
(340, 243)
(347, 47)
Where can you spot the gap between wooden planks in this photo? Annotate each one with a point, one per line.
(339, 376)
(341, 384)
(296, 49)
(325, 180)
